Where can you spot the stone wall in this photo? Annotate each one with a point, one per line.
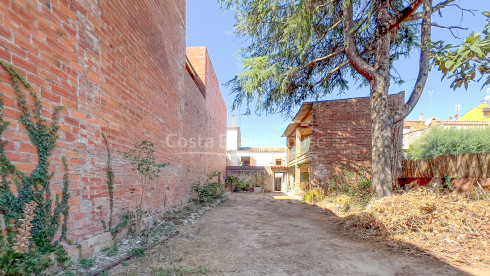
(245, 174)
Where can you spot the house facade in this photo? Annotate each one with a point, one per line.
(121, 69)
(250, 156)
(244, 162)
(477, 117)
(326, 136)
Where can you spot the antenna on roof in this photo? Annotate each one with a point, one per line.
(458, 108)
(430, 102)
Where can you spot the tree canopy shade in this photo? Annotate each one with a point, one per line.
(466, 62)
(305, 49)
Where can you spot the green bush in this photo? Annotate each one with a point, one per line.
(439, 141)
(350, 188)
(258, 179)
(210, 189)
(244, 185)
(232, 182)
(313, 196)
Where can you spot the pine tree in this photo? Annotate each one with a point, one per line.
(306, 49)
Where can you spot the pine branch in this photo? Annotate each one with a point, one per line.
(423, 66)
(404, 14)
(438, 7)
(359, 64)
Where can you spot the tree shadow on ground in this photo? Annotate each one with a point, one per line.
(357, 234)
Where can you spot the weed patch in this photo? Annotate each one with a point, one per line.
(210, 189)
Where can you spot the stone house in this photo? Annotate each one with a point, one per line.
(121, 68)
(326, 136)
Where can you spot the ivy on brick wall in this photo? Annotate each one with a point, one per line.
(31, 214)
(110, 182)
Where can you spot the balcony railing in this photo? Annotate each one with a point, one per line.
(292, 156)
(304, 147)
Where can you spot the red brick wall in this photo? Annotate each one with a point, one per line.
(119, 68)
(342, 135)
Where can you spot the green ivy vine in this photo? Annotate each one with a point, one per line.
(34, 188)
(110, 180)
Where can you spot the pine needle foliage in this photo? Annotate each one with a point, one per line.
(296, 51)
(33, 188)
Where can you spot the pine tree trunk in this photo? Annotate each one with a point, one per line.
(382, 143)
(381, 116)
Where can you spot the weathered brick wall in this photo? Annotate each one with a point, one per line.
(119, 68)
(342, 135)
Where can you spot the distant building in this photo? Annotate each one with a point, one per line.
(481, 113)
(478, 117)
(244, 162)
(326, 136)
(250, 156)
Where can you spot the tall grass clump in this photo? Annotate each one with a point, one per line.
(439, 141)
(350, 190)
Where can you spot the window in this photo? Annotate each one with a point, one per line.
(304, 177)
(278, 162)
(245, 161)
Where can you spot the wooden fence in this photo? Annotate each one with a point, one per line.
(456, 166)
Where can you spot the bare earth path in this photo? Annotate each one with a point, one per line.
(253, 234)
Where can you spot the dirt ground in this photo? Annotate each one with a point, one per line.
(254, 234)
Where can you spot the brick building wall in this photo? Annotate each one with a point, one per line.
(120, 69)
(341, 136)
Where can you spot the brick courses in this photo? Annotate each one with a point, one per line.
(119, 68)
(341, 136)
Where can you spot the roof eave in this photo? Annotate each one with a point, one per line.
(302, 113)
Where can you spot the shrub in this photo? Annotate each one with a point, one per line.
(148, 168)
(243, 185)
(258, 179)
(137, 252)
(232, 182)
(210, 189)
(440, 141)
(350, 188)
(313, 196)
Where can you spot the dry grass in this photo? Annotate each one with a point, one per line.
(451, 227)
(21, 244)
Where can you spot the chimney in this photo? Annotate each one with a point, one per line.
(233, 121)
(450, 118)
(421, 116)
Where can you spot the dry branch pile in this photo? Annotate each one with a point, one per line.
(451, 227)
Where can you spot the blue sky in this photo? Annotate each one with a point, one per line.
(208, 26)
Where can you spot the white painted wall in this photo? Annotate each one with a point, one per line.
(232, 139)
(261, 158)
